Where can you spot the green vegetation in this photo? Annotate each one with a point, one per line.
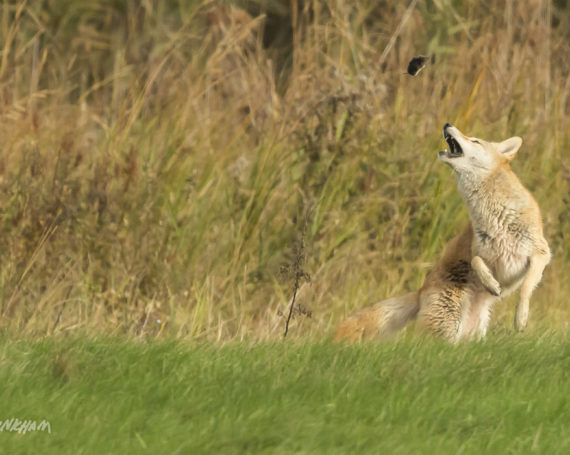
(168, 167)
(163, 162)
(506, 395)
(158, 159)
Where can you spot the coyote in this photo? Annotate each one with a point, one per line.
(501, 249)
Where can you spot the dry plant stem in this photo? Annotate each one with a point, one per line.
(295, 288)
(300, 274)
(393, 38)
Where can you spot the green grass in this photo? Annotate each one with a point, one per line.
(160, 160)
(505, 395)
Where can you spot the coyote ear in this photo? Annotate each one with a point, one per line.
(510, 147)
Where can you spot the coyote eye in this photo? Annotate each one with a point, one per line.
(476, 141)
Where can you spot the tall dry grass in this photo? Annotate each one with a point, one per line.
(158, 159)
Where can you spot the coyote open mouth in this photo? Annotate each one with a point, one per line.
(454, 147)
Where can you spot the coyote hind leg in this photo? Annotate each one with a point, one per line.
(443, 312)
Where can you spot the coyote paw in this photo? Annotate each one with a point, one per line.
(492, 286)
(485, 276)
(489, 282)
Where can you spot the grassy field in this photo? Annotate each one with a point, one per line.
(160, 161)
(167, 167)
(508, 395)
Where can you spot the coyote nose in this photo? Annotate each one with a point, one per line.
(447, 125)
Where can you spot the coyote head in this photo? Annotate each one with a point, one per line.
(470, 154)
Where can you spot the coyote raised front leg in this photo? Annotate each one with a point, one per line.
(485, 276)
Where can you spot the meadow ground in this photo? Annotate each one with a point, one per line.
(507, 395)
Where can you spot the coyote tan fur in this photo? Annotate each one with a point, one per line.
(501, 249)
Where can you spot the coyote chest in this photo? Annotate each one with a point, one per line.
(503, 240)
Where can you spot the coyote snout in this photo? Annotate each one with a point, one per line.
(501, 250)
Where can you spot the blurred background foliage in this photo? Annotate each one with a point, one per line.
(160, 160)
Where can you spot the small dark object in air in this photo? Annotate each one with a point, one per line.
(417, 64)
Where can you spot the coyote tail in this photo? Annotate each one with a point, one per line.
(383, 319)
